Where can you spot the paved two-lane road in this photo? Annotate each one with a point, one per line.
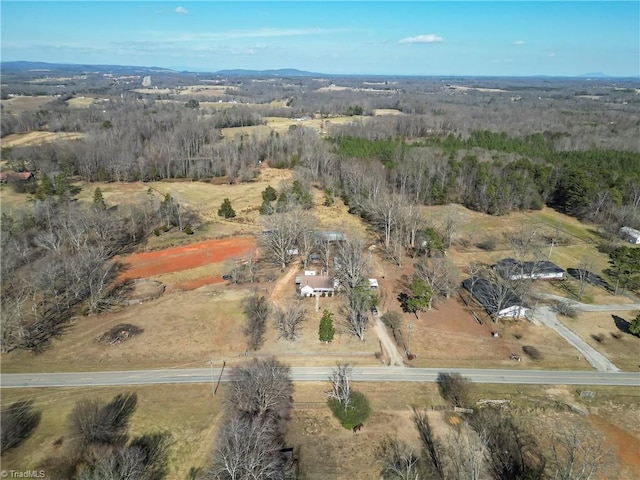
(302, 374)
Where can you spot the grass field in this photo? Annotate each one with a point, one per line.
(160, 408)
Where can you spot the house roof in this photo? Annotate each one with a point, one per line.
(491, 296)
(24, 175)
(511, 267)
(317, 281)
(328, 236)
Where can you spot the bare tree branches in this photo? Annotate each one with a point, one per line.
(256, 310)
(289, 318)
(399, 461)
(249, 443)
(356, 311)
(578, 455)
(340, 387)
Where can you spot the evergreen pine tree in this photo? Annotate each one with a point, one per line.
(45, 189)
(327, 330)
(98, 199)
(226, 210)
(269, 194)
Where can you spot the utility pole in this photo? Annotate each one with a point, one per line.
(213, 389)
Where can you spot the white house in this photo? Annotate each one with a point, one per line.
(312, 285)
(631, 234)
(539, 270)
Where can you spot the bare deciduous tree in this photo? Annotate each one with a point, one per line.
(261, 388)
(439, 273)
(340, 386)
(351, 270)
(455, 388)
(289, 318)
(466, 452)
(399, 461)
(356, 310)
(578, 455)
(256, 310)
(281, 235)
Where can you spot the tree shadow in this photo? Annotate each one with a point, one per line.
(621, 323)
(402, 298)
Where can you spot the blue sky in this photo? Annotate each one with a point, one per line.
(366, 37)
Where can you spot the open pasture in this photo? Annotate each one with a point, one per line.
(35, 138)
(191, 423)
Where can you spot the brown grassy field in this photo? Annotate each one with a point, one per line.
(607, 333)
(160, 408)
(35, 138)
(17, 105)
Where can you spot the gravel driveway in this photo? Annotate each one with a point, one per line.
(547, 316)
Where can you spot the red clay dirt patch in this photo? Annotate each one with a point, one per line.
(186, 257)
(626, 445)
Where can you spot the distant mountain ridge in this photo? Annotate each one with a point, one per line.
(27, 66)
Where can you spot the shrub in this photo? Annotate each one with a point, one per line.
(598, 338)
(188, 230)
(616, 335)
(357, 412)
(156, 232)
(532, 352)
(488, 244)
(566, 308)
(517, 336)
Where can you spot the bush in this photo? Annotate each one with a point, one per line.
(357, 412)
(532, 352)
(566, 308)
(188, 230)
(156, 232)
(488, 244)
(598, 338)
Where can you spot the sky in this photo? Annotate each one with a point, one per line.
(494, 38)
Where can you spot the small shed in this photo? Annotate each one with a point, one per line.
(373, 283)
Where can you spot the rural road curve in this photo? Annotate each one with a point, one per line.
(315, 374)
(547, 317)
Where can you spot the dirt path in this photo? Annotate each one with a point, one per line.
(388, 345)
(282, 283)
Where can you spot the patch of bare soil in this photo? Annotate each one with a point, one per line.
(185, 257)
(118, 334)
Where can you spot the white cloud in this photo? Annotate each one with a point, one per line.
(552, 54)
(429, 38)
(519, 42)
(182, 10)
